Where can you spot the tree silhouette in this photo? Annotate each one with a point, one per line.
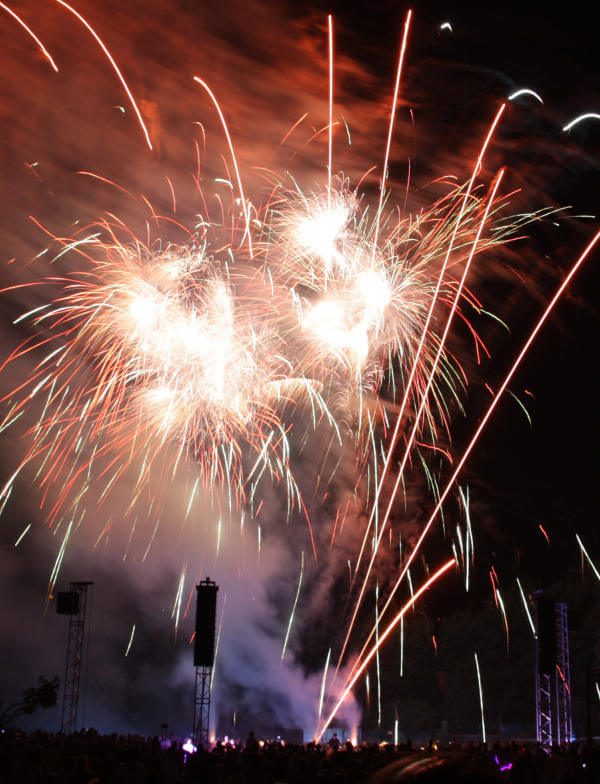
(44, 695)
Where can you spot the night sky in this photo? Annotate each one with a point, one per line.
(267, 63)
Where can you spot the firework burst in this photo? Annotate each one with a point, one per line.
(311, 310)
(179, 354)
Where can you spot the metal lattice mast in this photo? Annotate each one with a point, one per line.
(543, 710)
(564, 721)
(68, 722)
(202, 707)
(545, 666)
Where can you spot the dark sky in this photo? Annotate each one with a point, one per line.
(267, 64)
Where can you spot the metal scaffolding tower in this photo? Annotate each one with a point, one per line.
(75, 605)
(204, 656)
(543, 709)
(202, 707)
(554, 724)
(564, 721)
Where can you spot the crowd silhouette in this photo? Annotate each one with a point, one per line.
(87, 757)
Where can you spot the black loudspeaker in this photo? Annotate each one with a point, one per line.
(546, 631)
(67, 603)
(206, 615)
(575, 620)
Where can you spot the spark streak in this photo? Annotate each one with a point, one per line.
(330, 154)
(114, 65)
(130, 640)
(323, 685)
(481, 427)
(589, 560)
(581, 118)
(429, 382)
(291, 621)
(388, 146)
(525, 91)
(25, 531)
(526, 607)
(30, 32)
(483, 735)
(212, 97)
(358, 671)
